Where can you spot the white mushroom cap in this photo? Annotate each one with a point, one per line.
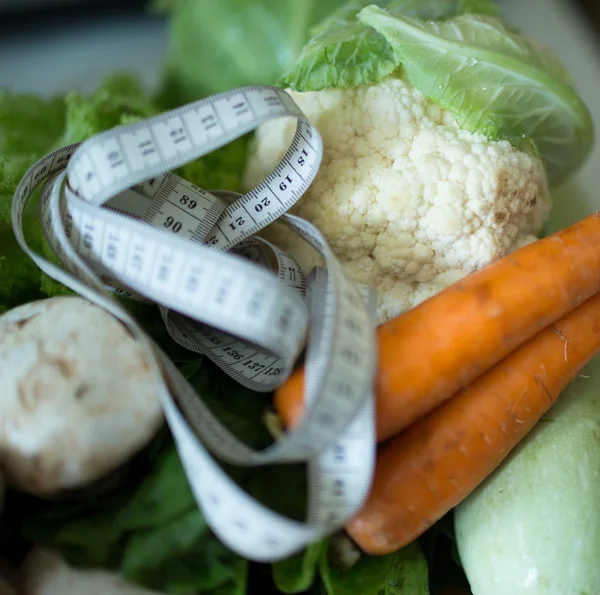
(77, 398)
(45, 573)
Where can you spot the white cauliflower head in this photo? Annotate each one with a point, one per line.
(408, 200)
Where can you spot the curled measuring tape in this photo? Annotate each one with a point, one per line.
(118, 221)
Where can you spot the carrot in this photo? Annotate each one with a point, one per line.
(428, 353)
(429, 468)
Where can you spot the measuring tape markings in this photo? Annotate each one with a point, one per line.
(340, 356)
(164, 268)
(190, 335)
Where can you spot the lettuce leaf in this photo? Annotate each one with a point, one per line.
(120, 99)
(494, 81)
(28, 128)
(31, 127)
(153, 535)
(216, 46)
(297, 573)
(343, 52)
(404, 572)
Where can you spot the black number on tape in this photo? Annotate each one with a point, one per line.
(136, 261)
(115, 159)
(190, 203)
(178, 135)
(339, 453)
(283, 185)
(338, 487)
(237, 223)
(252, 365)
(147, 148)
(302, 158)
(174, 226)
(236, 355)
(264, 202)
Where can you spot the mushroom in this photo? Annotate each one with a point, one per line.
(44, 572)
(77, 398)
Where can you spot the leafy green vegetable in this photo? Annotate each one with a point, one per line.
(402, 573)
(223, 169)
(280, 487)
(183, 557)
(478, 7)
(237, 407)
(31, 127)
(439, 546)
(494, 81)
(343, 52)
(161, 498)
(297, 573)
(120, 99)
(216, 46)
(28, 128)
(154, 534)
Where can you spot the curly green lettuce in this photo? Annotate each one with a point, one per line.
(30, 127)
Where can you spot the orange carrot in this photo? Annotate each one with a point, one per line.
(429, 468)
(433, 350)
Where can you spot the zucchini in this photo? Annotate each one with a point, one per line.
(533, 526)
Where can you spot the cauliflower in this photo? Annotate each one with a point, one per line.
(408, 200)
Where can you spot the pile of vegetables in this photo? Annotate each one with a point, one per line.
(445, 131)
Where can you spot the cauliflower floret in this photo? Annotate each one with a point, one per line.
(408, 200)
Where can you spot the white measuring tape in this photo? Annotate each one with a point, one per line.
(118, 222)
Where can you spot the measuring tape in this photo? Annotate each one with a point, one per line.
(119, 222)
